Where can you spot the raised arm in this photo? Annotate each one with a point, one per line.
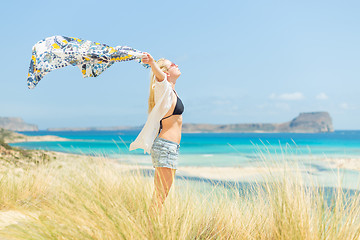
(148, 59)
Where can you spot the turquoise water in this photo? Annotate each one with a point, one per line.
(214, 149)
(224, 150)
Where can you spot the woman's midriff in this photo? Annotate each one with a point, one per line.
(171, 128)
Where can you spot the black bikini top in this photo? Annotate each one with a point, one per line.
(179, 107)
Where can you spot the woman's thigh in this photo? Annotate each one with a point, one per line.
(164, 177)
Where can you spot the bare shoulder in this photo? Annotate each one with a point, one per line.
(160, 80)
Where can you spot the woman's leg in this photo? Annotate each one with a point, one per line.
(163, 180)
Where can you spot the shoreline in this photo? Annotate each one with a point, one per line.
(46, 138)
(246, 174)
(345, 162)
(8, 136)
(237, 172)
(326, 174)
(321, 166)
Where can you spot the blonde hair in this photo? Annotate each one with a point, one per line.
(164, 68)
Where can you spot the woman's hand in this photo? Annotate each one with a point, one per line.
(148, 59)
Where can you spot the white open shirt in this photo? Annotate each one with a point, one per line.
(163, 94)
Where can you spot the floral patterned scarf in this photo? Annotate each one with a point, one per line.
(91, 57)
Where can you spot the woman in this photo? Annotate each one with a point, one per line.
(161, 134)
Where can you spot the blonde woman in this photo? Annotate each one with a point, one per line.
(161, 134)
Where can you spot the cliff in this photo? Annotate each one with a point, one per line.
(313, 122)
(16, 124)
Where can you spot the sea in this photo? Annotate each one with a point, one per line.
(221, 149)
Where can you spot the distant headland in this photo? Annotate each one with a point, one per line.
(16, 124)
(311, 122)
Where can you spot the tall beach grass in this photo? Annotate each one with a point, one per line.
(100, 199)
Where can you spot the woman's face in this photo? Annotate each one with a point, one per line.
(173, 69)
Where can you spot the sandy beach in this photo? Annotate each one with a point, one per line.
(211, 173)
(46, 138)
(344, 163)
(235, 174)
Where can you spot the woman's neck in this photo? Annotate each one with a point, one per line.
(172, 85)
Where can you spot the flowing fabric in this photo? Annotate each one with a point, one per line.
(163, 99)
(91, 57)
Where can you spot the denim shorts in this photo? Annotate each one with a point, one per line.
(164, 153)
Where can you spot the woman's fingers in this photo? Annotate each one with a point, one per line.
(147, 58)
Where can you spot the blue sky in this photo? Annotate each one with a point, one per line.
(241, 61)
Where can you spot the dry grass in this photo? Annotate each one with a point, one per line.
(95, 199)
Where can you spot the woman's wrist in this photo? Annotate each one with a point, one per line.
(152, 63)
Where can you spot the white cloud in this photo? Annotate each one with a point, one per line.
(288, 96)
(322, 96)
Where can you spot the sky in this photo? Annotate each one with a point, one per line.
(241, 61)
